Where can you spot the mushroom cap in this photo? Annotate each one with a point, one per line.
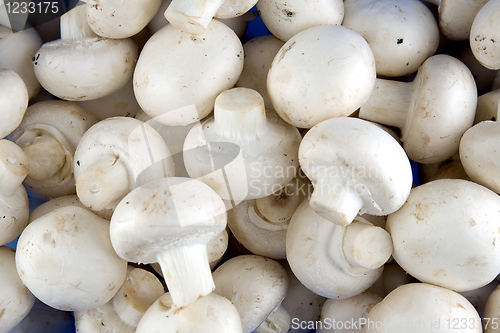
(66, 260)
(14, 215)
(322, 72)
(234, 8)
(401, 34)
(255, 285)
(165, 213)
(485, 35)
(285, 19)
(14, 100)
(438, 215)
(120, 19)
(492, 310)
(179, 75)
(210, 313)
(15, 299)
(53, 204)
(420, 307)
(443, 109)
(360, 152)
(85, 69)
(456, 17)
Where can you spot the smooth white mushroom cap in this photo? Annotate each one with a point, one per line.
(401, 34)
(255, 285)
(437, 217)
(456, 17)
(179, 75)
(211, 313)
(320, 73)
(53, 204)
(422, 307)
(66, 260)
(14, 100)
(285, 19)
(485, 35)
(355, 167)
(16, 300)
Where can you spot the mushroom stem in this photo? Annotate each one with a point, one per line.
(14, 166)
(240, 114)
(102, 183)
(46, 156)
(192, 16)
(336, 200)
(278, 322)
(389, 103)
(187, 272)
(74, 25)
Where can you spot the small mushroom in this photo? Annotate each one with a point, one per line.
(211, 313)
(14, 101)
(355, 167)
(433, 111)
(170, 221)
(66, 260)
(16, 300)
(256, 286)
(82, 66)
(485, 35)
(322, 72)
(49, 134)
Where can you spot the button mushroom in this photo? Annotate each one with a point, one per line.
(485, 35)
(170, 221)
(14, 101)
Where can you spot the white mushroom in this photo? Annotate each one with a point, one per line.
(485, 35)
(15, 299)
(81, 65)
(14, 207)
(402, 34)
(323, 72)
(335, 261)
(355, 167)
(211, 313)
(49, 135)
(433, 111)
(120, 19)
(124, 311)
(66, 260)
(115, 156)
(285, 19)
(170, 221)
(492, 312)
(179, 75)
(256, 286)
(53, 204)
(439, 214)
(487, 106)
(14, 101)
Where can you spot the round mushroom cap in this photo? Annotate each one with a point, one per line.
(66, 260)
(165, 213)
(447, 233)
(14, 101)
(485, 35)
(456, 17)
(255, 285)
(323, 72)
(16, 300)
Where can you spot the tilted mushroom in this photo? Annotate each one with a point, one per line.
(256, 286)
(15, 299)
(485, 35)
(124, 311)
(260, 149)
(402, 34)
(335, 261)
(14, 101)
(355, 167)
(322, 72)
(14, 207)
(211, 313)
(54, 251)
(49, 134)
(285, 19)
(179, 75)
(444, 212)
(115, 156)
(433, 111)
(170, 221)
(120, 19)
(81, 65)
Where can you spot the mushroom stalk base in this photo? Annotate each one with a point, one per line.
(192, 16)
(389, 103)
(187, 272)
(14, 167)
(125, 312)
(278, 322)
(74, 25)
